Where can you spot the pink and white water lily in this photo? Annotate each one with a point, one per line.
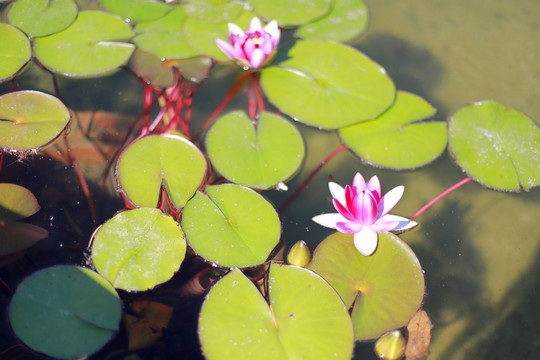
(255, 47)
(363, 212)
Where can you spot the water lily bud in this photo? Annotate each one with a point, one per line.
(299, 254)
(390, 346)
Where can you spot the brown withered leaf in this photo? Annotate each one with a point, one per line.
(419, 331)
(146, 326)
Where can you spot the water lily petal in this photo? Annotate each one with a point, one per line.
(329, 220)
(390, 199)
(337, 192)
(366, 241)
(358, 184)
(255, 25)
(235, 29)
(348, 227)
(344, 211)
(226, 48)
(374, 186)
(273, 30)
(364, 208)
(257, 58)
(403, 222)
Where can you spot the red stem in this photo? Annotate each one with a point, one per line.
(258, 92)
(313, 173)
(440, 196)
(2, 159)
(224, 103)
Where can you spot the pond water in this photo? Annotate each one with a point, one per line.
(479, 248)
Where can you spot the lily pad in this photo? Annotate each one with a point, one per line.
(232, 226)
(138, 249)
(385, 289)
(346, 20)
(398, 139)
(42, 17)
(18, 236)
(497, 146)
(30, 119)
(153, 161)
(16, 202)
(137, 10)
(328, 85)
(202, 35)
(92, 46)
(164, 37)
(258, 156)
(152, 69)
(194, 69)
(291, 12)
(15, 51)
(65, 312)
(305, 320)
(213, 11)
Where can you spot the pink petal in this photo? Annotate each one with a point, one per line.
(255, 25)
(358, 184)
(366, 241)
(348, 227)
(384, 226)
(235, 30)
(226, 48)
(272, 29)
(337, 192)
(342, 210)
(364, 208)
(257, 58)
(329, 220)
(403, 223)
(390, 200)
(374, 186)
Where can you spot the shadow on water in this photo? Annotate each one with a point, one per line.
(412, 68)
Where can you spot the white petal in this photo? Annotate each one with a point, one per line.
(255, 25)
(404, 223)
(235, 29)
(390, 199)
(366, 241)
(272, 29)
(329, 220)
(337, 192)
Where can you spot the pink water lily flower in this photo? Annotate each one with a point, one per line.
(363, 212)
(254, 48)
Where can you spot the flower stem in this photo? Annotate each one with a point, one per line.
(440, 196)
(224, 103)
(311, 176)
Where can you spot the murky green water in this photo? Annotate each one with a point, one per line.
(479, 248)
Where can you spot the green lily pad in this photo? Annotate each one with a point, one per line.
(305, 320)
(213, 11)
(232, 226)
(497, 146)
(137, 10)
(290, 12)
(164, 37)
(328, 85)
(384, 289)
(398, 139)
(16, 202)
(30, 119)
(15, 51)
(157, 160)
(258, 156)
(65, 312)
(202, 35)
(92, 46)
(345, 21)
(194, 69)
(152, 69)
(42, 17)
(138, 249)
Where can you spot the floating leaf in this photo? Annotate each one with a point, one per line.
(232, 226)
(212, 11)
(194, 69)
(30, 119)
(17, 236)
(258, 156)
(202, 35)
(497, 146)
(152, 69)
(385, 289)
(137, 10)
(138, 249)
(42, 17)
(157, 160)
(92, 46)
(307, 320)
(328, 85)
(16, 202)
(290, 12)
(164, 37)
(15, 51)
(346, 20)
(65, 312)
(397, 139)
